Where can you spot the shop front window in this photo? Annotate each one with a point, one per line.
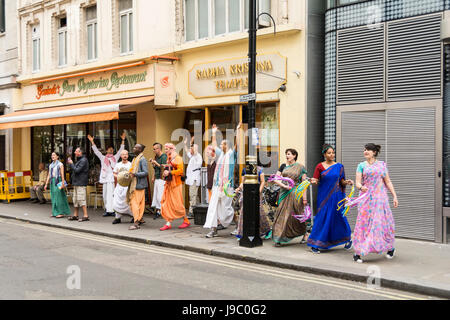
(76, 138)
(42, 147)
(64, 139)
(127, 124)
(269, 135)
(58, 141)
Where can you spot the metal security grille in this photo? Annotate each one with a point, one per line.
(407, 137)
(414, 58)
(360, 65)
(411, 162)
(358, 129)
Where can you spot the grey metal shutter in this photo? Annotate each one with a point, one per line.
(360, 65)
(358, 129)
(411, 162)
(414, 68)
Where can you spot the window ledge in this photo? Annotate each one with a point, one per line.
(237, 37)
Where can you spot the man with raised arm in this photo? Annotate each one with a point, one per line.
(220, 210)
(108, 162)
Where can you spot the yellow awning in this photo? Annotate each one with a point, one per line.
(78, 113)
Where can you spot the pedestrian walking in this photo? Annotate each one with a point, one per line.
(264, 225)
(108, 162)
(60, 205)
(138, 185)
(375, 228)
(331, 228)
(37, 191)
(172, 206)
(80, 180)
(193, 171)
(158, 183)
(285, 227)
(120, 203)
(220, 210)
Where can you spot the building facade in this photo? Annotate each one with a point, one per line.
(385, 63)
(9, 69)
(152, 67)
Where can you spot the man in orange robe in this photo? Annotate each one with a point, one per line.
(172, 206)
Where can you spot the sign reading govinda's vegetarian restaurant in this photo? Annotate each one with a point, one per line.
(103, 82)
(230, 77)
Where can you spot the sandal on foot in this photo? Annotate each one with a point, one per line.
(83, 219)
(72, 218)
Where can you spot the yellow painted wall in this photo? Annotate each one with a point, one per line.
(292, 102)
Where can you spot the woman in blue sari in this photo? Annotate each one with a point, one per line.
(330, 228)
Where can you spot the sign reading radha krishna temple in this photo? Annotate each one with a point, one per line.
(230, 77)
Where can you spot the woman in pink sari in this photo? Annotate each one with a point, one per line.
(375, 228)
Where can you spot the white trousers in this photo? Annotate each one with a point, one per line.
(158, 191)
(120, 203)
(220, 209)
(108, 196)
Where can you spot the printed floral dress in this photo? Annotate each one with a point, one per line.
(375, 228)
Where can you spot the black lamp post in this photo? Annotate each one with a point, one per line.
(250, 233)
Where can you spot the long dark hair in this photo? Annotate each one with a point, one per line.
(376, 148)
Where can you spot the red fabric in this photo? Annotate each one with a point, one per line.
(318, 171)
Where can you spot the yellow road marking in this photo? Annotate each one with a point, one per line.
(205, 259)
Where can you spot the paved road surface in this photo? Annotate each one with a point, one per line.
(38, 262)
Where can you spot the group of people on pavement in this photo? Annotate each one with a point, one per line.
(125, 184)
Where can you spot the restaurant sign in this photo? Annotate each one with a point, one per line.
(133, 78)
(230, 77)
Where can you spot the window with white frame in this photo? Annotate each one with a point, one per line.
(210, 18)
(62, 41)
(36, 48)
(91, 29)
(126, 26)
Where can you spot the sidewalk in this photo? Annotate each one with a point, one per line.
(420, 267)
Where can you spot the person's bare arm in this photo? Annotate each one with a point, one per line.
(305, 198)
(47, 181)
(213, 136)
(358, 182)
(390, 186)
(263, 183)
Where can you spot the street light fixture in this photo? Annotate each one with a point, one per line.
(250, 233)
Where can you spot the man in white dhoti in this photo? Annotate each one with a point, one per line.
(158, 183)
(120, 203)
(108, 163)
(193, 174)
(220, 208)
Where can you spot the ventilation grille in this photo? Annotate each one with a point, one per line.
(414, 58)
(360, 65)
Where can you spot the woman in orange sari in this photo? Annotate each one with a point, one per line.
(172, 206)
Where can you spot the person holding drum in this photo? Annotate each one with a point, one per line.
(122, 175)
